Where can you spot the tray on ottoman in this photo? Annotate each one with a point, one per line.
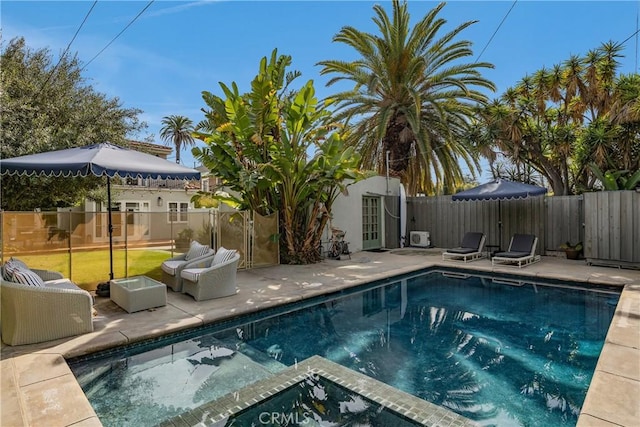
(138, 293)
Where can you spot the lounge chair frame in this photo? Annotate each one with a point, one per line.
(466, 257)
(521, 261)
(216, 281)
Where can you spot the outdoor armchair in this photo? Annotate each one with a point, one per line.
(521, 252)
(212, 278)
(33, 314)
(470, 248)
(172, 267)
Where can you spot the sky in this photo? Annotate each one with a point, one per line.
(174, 50)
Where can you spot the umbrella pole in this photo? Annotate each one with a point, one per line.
(500, 224)
(110, 228)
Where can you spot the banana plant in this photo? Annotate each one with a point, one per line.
(278, 150)
(613, 180)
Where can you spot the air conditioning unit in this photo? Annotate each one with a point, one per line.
(420, 239)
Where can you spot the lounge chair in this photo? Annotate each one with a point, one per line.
(522, 251)
(212, 277)
(172, 267)
(470, 248)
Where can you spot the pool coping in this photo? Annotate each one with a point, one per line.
(30, 373)
(415, 409)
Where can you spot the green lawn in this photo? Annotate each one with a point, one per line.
(88, 268)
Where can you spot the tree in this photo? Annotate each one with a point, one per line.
(47, 106)
(258, 143)
(412, 98)
(562, 120)
(177, 130)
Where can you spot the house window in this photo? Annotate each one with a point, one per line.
(178, 211)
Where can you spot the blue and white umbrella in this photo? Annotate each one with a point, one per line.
(500, 189)
(103, 159)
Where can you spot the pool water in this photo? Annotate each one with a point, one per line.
(498, 354)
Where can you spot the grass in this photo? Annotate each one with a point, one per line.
(89, 268)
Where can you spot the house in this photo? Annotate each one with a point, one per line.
(143, 204)
(363, 211)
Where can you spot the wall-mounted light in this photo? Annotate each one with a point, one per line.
(160, 201)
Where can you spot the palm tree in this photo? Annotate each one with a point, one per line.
(412, 98)
(177, 129)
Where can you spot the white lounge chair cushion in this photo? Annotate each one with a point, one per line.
(223, 255)
(171, 266)
(27, 277)
(192, 274)
(196, 250)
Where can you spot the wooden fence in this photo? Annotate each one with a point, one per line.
(612, 228)
(607, 222)
(447, 221)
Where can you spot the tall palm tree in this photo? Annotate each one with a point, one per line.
(177, 129)
(412, 97)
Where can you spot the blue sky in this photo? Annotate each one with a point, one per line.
(175, 50)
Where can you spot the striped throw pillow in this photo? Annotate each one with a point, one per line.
(223, 255)
(27, 277)
(10, 267)
(196, 251)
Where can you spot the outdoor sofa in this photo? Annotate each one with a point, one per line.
(172, 267)
(42, 308)
(470, 248)
(213, 277)
(521, 252)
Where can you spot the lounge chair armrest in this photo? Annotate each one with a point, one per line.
(180, 257)
(218, 271)
(200, 262)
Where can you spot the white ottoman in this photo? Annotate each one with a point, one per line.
(138, 293)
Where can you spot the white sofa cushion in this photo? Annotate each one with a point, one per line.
(61, 284)
(171, 266)
(192, 274)
(196, 250)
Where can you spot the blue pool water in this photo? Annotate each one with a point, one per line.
(498, 354)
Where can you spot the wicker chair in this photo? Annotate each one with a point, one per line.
(172, 267)
(32, 314)
(205, 280)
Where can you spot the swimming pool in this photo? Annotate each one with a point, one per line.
(519, 353)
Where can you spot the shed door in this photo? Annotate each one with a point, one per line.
(371, 220)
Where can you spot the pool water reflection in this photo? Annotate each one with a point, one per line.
(496, 354)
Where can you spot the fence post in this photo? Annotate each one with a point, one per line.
(126, 243)
(173, 240)
(70, 247)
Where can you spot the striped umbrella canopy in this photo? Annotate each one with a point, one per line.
(104, 159)
(500, 189)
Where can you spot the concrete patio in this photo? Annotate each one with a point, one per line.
(39, 389)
